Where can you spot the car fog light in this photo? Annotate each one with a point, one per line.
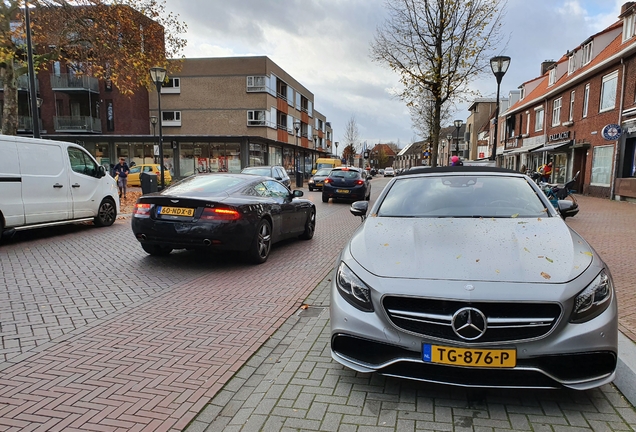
(593, 300)
(353, 289)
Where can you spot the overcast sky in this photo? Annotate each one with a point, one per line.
(325, 45)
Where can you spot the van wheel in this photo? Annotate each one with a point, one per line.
(156, 250)
(106, 214)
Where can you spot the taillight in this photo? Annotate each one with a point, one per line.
(219, 214)
(327, 180)
(142, 210)
(157, 173)
(359, 182)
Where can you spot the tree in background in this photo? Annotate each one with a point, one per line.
(117, 41)
(351, 138)
(438, 47)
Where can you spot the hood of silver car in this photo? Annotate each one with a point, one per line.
(538, 250)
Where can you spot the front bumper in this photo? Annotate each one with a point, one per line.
(577, 356)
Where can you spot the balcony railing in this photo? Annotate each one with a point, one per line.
(77, 124)
(68, 82)
(25, 123)
(22, 83)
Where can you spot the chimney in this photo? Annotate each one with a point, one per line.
(545, 65)
(626, 7)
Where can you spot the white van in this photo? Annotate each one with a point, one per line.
(46, 183)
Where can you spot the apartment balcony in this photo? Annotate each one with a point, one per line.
(74, 83)
(22, 83)
(25, 123)
(77, 124)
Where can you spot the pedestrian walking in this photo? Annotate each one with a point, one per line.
(121, 171)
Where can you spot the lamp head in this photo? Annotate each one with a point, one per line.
(158, 74)
(458, 123)
(499, 66)
(296, 125)
(449, 137)
(154, 120)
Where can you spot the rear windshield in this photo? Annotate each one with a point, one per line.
(344, 174)
(258, 171)
(323, 172)
(204, 185)
(325, 165)
(462, 196)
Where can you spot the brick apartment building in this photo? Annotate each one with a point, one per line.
(574, 112)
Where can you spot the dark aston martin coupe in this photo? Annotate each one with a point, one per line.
(222, 212)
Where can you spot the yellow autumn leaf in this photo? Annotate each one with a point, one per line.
(515, 215)
(526, 249)
(549, 259)
(588, 253)
(545, 275)
(385, 244)
(458, 257)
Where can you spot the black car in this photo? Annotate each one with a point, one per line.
(347, 183)
(316, 181)
(275, 172)
(222, 212)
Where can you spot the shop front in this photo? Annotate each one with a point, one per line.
(625, 185)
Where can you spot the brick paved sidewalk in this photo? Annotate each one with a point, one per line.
(292, 384)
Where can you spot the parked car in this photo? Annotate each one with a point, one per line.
(276, 172)
(389, 172)
(468, 276)
(135, 172)
(45, 182)
(316, 181)
(347, 183)
(222, 212)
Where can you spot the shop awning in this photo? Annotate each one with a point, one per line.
(524, 149)
(554, 147)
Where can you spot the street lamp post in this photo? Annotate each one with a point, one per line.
(458, 125)
(449, 141)
(31, 70)
(153, 122)
(299, 176)
(443, 152)
(337, 149)
(158, 75)
(499, 66)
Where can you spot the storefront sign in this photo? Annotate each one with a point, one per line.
(559, 136)
(612, 132)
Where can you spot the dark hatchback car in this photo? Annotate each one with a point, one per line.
(222, 212)
(317, 180)
(347, 183)
(275, 172)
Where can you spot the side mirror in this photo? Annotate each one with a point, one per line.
(298, 193)
(360, 208)
(101, 171)
(278, 178)
(567, 208)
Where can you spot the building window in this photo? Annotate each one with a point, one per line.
(571, 64)
(571, 115)
(538, 119)
(527, 123)
(602, 165)
(257, 83)
(586, 99)
(628, 27)
(173, 85)
(521, 96)
(552, 78)
(256, 118)
(587, 54)
(171, 118)
(556, 112)
(608, 92)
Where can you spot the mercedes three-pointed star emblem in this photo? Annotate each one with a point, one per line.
(469, 323)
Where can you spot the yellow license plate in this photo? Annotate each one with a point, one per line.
(343, 190)
(469, 357)
(176, 211)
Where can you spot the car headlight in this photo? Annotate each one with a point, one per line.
(593, 300)
(353, 289)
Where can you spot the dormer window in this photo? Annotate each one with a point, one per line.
(522, 93)
(628, 27)
(587, 53)
(571, 64)
(552, 78)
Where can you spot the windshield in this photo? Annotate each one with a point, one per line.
(462, 196)
(323, 172)
(325, 165)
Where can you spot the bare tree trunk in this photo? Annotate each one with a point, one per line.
(10, 110)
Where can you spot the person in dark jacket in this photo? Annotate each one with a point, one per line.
(121, 170)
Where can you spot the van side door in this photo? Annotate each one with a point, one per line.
(11, 207)
(86, 183)
(45, 185)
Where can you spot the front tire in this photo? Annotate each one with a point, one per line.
(106, 213)
(310, 226)
(156, 250)
(262, 243)
(311, 189)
